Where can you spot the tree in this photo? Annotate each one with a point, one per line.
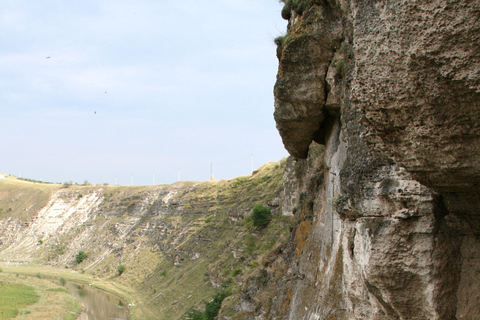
(121, 269)
(261, 216)
(213, 307)
(81, 256)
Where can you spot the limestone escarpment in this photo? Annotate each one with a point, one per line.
(388, 223)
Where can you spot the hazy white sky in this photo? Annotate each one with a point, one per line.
(93, 90)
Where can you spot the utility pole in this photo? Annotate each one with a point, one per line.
(211, 171)
(153, 183)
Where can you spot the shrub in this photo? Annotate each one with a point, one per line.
(163, 273)
(38, 275)
(60, 249)
(281, 41)
(213, 307)
(67, 184)
(340, 66)
(261, 216)
(287, 10)
(236, 272)
(62, 281)
(121, 269)
(81, 256)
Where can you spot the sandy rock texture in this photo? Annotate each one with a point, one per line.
(417, 82)
(388, 222)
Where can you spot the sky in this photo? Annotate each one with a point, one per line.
(137, 91)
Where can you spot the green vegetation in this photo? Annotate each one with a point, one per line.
(60, 250)
(260, 217)
(287, 10)
(67, 184)
(281, 42)
(236, 272)
(40, 299)
(82, 255)
(38, 275)
(211, 308)
(62, 281)
(340, 66)
(121, 269)
(59, 290)
(298, 6)
(250, 244)
(15, 297)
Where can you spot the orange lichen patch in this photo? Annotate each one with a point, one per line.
(301, 235)
(285, 305)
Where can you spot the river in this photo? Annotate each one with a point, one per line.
(97, 304)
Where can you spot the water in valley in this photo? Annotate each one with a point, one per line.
(98, 304)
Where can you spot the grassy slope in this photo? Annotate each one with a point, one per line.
(176, 254)
(22, 199)
(49, 301)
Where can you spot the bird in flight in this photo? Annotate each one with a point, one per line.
(95, 112)
(48, 57)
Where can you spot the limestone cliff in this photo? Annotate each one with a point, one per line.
(388, 215)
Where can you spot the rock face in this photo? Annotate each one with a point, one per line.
(417, 84)
(388, 215)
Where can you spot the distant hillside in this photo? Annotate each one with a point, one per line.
(179, 242)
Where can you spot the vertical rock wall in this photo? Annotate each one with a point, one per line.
(387, 214)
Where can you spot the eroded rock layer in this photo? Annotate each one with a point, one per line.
(388, 214)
